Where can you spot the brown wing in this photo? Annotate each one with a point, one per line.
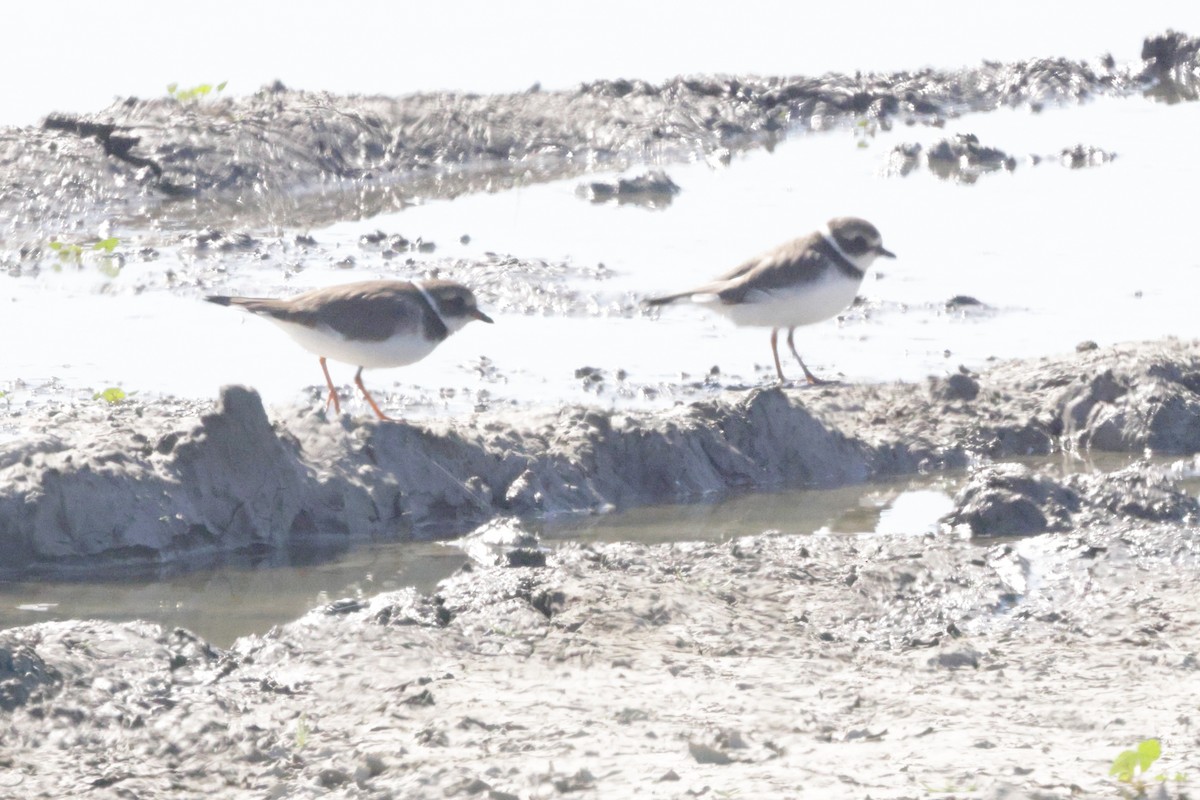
(796, 262)
(370, 311)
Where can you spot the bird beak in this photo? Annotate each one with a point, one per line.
(883, 251)
(482, 317)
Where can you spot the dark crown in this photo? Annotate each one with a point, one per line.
(855, 236)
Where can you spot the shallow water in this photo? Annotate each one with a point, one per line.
(235, 597)
(239, 597)
(1056, 255)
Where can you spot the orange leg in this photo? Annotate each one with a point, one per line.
(333, 398)
(808, 376)
(358, 382)
(775, 352)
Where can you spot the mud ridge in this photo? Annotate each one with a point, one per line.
(146, 484)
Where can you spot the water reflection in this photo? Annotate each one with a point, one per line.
(901, 507)
(232, 598)
(251, 593)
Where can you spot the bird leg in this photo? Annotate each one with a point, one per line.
(333, 398)
(808, 376)
(775, 352)
(358, 382)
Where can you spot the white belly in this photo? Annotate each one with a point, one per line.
(324, 341)
(788, 308)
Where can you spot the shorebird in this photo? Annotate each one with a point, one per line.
(368, 324)
(804, 281)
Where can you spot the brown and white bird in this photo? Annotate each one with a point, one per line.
(807, 280)
(368, 324)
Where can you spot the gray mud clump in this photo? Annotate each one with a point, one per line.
(654, 189)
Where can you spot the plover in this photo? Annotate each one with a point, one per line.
(368, 324)
(807, 280)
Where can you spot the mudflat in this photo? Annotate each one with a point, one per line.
(1048, 625)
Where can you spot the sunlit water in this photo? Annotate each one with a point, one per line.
(1056, 255)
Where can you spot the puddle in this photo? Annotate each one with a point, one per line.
(234, 598)
(238, 598)
(896, 508)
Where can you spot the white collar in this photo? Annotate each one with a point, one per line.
(429, 299)
(829, 237)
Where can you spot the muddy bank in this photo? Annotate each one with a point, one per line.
(147, 481)
(773, 666)
(283, 157)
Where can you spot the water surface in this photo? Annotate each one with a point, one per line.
(243, 596)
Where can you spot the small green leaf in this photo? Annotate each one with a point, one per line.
(221, 86)
(107, 245)
(111, 395)
(1148, 752)
(171, 87)
(1122, 766)
(56, 246)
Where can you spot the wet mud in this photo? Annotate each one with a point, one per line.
(146, 481)
(1049, 624)
(747, 667)
(192, 164)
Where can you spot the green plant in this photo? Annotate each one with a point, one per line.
(67, 252)
(71, 252)
(864, 129)
(112, 395)
(949, 788)
(194, 92)
(1131, 766)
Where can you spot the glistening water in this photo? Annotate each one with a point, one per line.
(1054, 255)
